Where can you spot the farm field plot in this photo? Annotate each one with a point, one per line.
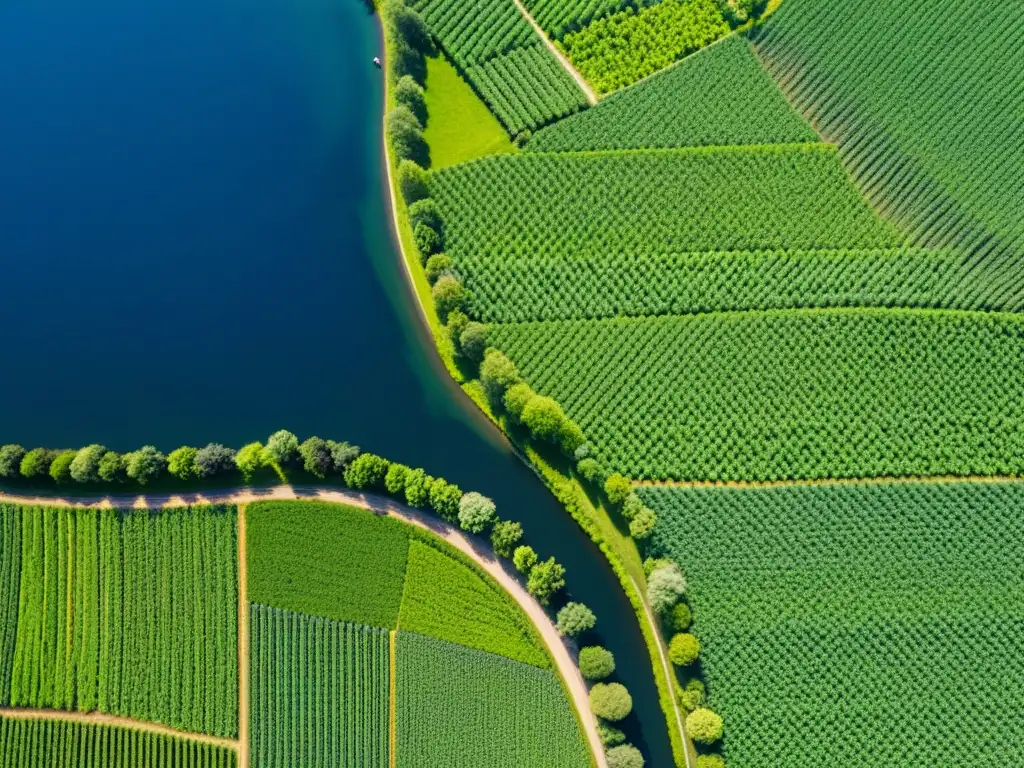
(556, 17)
(718, 96)
(924, 102)
(10, 580)
(472, 33)
(326, 560)
(780, 395)
(319, 692)
(657, 200)
(447, 599)
(857, 624)
(54, 744)
(463, 708)
(130, 612)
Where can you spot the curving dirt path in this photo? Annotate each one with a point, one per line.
(475, 548)
(100, 718)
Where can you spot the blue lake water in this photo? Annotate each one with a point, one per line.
(195, 246)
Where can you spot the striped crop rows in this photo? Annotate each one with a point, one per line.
(319, 692)
(10, 580)
(56, 744)
(132, 613)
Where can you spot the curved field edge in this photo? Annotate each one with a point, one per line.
(592, 520)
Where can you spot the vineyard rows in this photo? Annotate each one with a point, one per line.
(783, 395)
(474, 32)
(718, 96)
(319, 692)
(857, 624)
(447, 599)
(56, 744)
(556, 17)
(462, 708)
(927, 122)
(10, 580)
(133, 613)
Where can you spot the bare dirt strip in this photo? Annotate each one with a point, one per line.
(475, 548)
(243, 644)
(99, 718)
(580, 81)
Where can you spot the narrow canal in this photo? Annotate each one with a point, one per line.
(197, 247)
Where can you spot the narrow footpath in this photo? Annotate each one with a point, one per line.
(243, 644)
(477, 549)
(566, 64)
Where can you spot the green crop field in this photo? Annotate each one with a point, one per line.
(10, 581)
(319, 692)
(789, 394)
(55, 744)
(129, 612)
(463, 708)
(448, 599)
(931, 128)
(327, 560)
(472, 33)
(857, 625)
(719, 96)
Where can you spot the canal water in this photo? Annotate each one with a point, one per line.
(196, 246)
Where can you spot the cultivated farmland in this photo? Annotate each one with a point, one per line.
(463, 708)
(10, 580)
(857, 624)
(55, 744)
(557, 17)
(129, 612)
(319, 692)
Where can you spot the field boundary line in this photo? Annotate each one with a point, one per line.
(102, 718)
(392, 701)
(243, 643)
(566, 64)
(885, 480)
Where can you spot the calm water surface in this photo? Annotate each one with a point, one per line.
(196, 246)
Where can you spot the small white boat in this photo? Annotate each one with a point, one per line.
(376, 61)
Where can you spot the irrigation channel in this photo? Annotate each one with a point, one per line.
(198, 247)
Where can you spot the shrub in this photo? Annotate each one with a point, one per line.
(516, 398)
(505, 535)
(609, 734)
(36, 463)
(545, 580)
(665, 586)
(112, 467)
(680, 617)
(683, 649)
(642, 525)
(596, 663)
(710, 761)
(425, 212)
(11, 457)
(692, 697)
(394, 478)
(497, 374)
(445, 498)
(405, 135)
(249, 459)
(590, 470)
(282, 448)
(410, 94)
(214, 459)
(85, 467)
(342, 454)
(316, 457)
(704, 726)
(428, 241)
(575, 619)
(145, 464)
(60, 467)
(417, 488)
(610, 701)
(617, 488)
(412, 181)
(524, 559)
(473, 341)
(476, 512)
(437, 265)
(631, 507)
(457, 322)
(625, 756)
(543, 417)
(181, 462)
(448, 295)
(366, 471)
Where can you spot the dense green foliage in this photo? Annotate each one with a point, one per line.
(447, 598)
(596, 663)
(931, 127)
(610, 701)
(718, 96)
(622, 203)
(526, 88)
(462, 708)
(326, 560)
(133, 613)
(785, 395)
(858, 622)
(319, 692)
(626, 46)
(10, 584)
(557, 17)
(56, 744)
(472, 33)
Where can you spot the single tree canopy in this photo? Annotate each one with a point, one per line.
(642, 525)
(412, 181)
(417, 488)
(473, 341)
(618, 488)
(145, 464)
(60, 467)
(249, 459)
(36, 463)
(476, 512)
(437, 265)
(112, 467)
(516, 398)
(665, 586)
(625, 756)
(497, 374)
(505, 536)
(282, 448)
(366, 471)
(575, 618)
(596, 663)
(704, 726)
(316, 457)
(214, 459)
(445, 498)
(181, 462)
(680, 617)
(86, 465)
(524, 559)
(610, 735)
(545, 579)
(342, 454)
(683, 649)
(448, 295)
(10, 460)
(543, 417)
(610, 701)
